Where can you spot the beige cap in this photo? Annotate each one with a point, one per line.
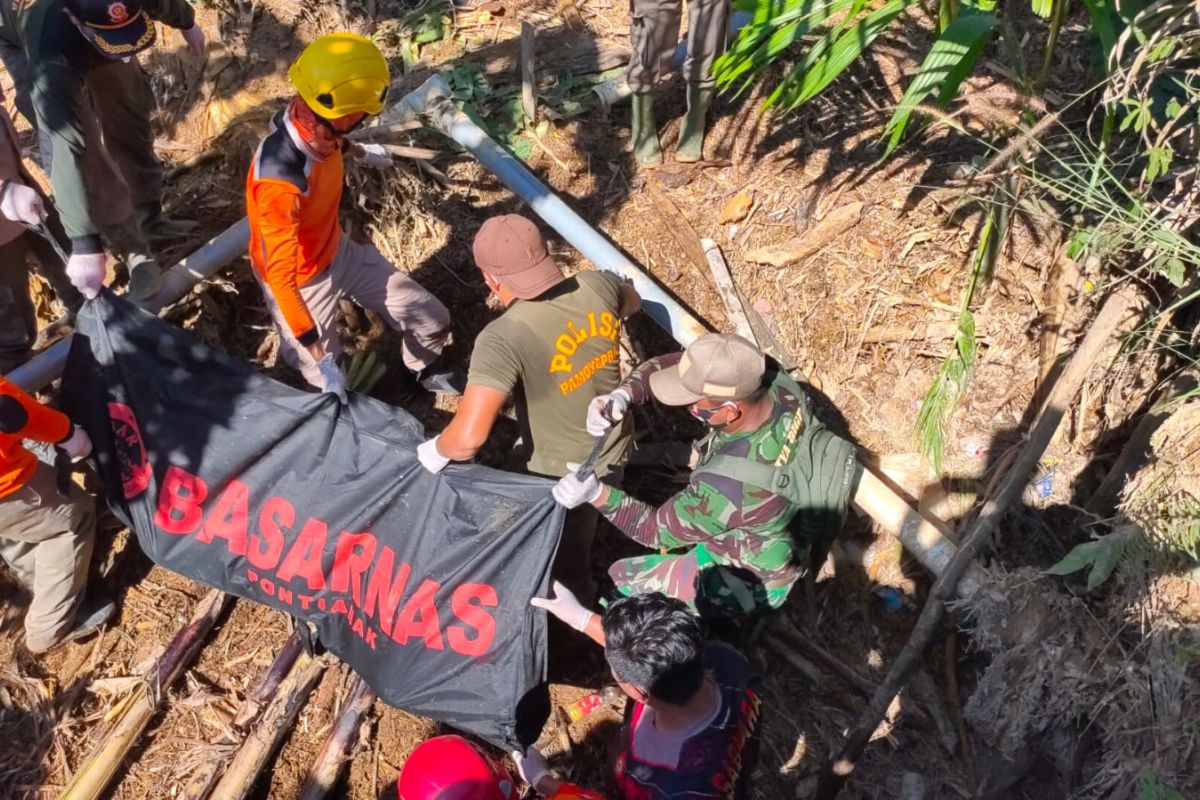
(718, 366)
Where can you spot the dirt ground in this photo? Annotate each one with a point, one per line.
(864, 318)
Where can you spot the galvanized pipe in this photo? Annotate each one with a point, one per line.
(48, 365)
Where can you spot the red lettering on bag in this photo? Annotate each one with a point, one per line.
(385, 590)
(179, 501)
(229, 518)
(339, 607)
(304, 558)
(351, 561)
(419, 618)
(466, 604)
(267, 543)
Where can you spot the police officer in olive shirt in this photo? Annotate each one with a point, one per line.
(554, 349)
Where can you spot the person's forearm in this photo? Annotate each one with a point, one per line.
(452, 444)
(594, 629)
(631, 516)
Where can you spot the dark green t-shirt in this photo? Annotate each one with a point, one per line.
(561, 350)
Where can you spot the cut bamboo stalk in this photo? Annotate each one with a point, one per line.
(342, 739)
(528, 83)
(925, 539)
(274, 724)
(1008, 491)
(105, 759)
(205, 777)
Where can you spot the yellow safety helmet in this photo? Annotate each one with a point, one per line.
(340, 74)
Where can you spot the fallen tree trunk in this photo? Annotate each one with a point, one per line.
(274, 724)
(342, 738)
(203, 779)
(1008, 491)
(105, 759)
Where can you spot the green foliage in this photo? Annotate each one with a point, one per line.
(1100, 557)
(950, 59)
(497, 110)
(365, 371)
(956, 371)
(1151, 787)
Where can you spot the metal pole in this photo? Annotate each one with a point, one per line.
(48, 365)
(432, 101)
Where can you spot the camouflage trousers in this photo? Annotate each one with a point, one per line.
(710, 588)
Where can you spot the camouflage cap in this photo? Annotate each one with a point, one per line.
(718, 366)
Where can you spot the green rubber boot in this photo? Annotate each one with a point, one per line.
(691, 133)
(646, 149)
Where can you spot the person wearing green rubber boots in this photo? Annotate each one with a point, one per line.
(653, 33)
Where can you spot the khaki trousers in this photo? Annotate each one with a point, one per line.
(360, 272)
(47, 541)
(654, 34)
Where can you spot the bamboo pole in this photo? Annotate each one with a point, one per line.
(1008, 492)
(105, 759)
(342, 738)
(274, 724)
(202, 781)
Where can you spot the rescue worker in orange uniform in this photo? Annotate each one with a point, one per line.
(300, 257)
(46, 527)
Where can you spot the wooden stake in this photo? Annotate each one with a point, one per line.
(274, 724)
(729, 295)
(342, 738)
(105, 759)
(1009, 491)
(205, 777)
(528, 79)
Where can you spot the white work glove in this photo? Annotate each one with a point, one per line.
(531, 765)
(86, 271)
(563, 604)
(375, 155)
(20, 203)
(430, 458)
(195, 40)
(607, 410)
(332, 380)
(78, 446)
(571, 492)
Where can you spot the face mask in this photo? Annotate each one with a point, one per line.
(705, 415)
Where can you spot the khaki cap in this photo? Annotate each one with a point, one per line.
(512, 249)
(718, 366)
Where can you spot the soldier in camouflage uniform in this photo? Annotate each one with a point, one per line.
(743, 554)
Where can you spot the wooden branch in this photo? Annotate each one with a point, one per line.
(1009, 491)
(138, 708)
(407, 151)
(341, 741)
(205, 777)
(570, 14)
(528, 80)
(678, 226)
(274, 724)
(729, 295)
(818, 654)
(835, 223)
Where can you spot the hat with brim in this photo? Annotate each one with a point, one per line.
(667, 387)
(118, 30)
(511, 249)
(717, 366)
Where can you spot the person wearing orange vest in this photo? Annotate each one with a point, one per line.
(302, 260)
(46, 528)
